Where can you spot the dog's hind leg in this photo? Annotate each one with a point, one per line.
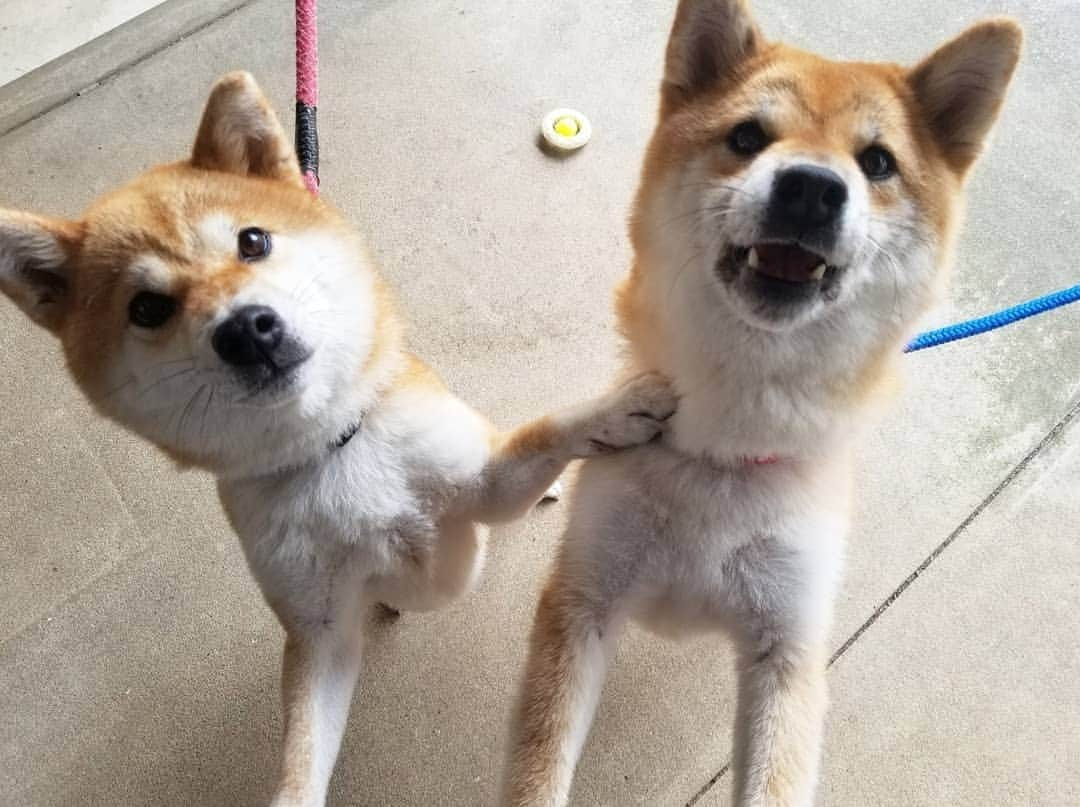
(317, 680)
(783, 591)
(570, 648)
(323, 619)
(781, 711)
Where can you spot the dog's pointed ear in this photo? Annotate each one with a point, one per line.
(239, 133)
(35, 264)
(709, 39)
(960, 87)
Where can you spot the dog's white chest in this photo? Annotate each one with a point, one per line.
(387, 487)
(706, 547)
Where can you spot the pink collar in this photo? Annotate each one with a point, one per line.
(768, 459)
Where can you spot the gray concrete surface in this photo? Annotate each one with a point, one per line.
(83, 57)
(33, 32)
(137, 662)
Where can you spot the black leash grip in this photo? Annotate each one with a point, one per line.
(307, 139)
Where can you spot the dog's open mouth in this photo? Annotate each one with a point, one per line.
(776, 276)
(786, 263)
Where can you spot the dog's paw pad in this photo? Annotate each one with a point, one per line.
(649, 395)
(632, 414)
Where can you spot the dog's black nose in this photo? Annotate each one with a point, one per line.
(251, 334)
(807, 197)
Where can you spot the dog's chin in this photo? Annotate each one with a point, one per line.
(271, 387)
(777, 286)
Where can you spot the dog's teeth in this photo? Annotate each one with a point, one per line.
(819, 273)
(752, 258)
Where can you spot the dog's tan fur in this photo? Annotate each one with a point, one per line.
(736, 520)
(329, 527)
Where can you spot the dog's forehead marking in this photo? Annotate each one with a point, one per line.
(827, 95)
(149, 272)
(216, 232)
(217, 274)
(773, 92)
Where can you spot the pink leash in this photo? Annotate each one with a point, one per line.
(307, 91)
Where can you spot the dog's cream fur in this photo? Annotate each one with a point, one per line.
(736, 520)
(394, 515)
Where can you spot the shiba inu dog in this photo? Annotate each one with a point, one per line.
(219, 310)
(795, 216)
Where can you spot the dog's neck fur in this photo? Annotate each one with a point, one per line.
(316, 439)
(745, 392)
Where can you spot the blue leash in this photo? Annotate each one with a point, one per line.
(973, 327)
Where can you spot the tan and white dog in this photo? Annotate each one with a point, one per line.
(218, 309)
(795, 216)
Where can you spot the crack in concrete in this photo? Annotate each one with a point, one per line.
(708, 785)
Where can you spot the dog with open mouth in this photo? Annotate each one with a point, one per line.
(219, 310)
(795, 217)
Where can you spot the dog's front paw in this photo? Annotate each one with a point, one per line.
(630, 415)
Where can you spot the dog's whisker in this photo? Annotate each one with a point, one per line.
(714, 185)
(894, 268)
(698, 211)
(170, 362)
(154, 385)
(206, 412)
(681, 270)
(186, 411)
(310, 287)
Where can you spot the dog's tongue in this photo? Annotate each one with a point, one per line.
(787, 262)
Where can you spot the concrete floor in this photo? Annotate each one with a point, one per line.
(33, 32)
(138, 664)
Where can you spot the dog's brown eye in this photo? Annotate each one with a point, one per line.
(253, 243)
(150, 310)
(877, 163)
(748, 138)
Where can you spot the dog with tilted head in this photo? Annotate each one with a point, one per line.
(219, 310)
(795, 217)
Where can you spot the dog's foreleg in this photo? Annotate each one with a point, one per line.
(526, 462)
(569, 653)
(781, 711)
